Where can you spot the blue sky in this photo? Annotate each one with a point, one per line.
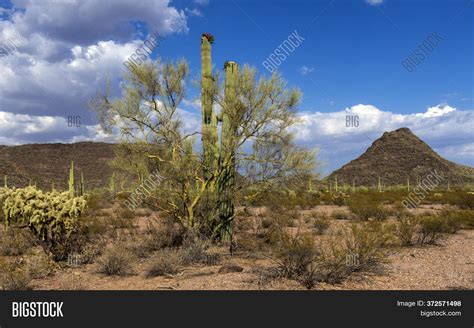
(350, 63)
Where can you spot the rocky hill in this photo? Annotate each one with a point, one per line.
(44, 164)
(399, 155)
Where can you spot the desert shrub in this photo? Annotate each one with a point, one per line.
(368, 241)
(122, 218)
(406, 230)
(165, 234)
(400, 211)
(365, 208)
(457, 219)
(95, 202)
(321, 224)
(282, 217)
(295, 255)
(165, 262)
(14, 274)
(116, 260)
(195, 250)
(341, 215)
(39, 265)
(459, 198)
(431, 228)
(14, 242)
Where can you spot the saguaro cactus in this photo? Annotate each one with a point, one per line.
(380, 185)
(209, 119)
(227, 153)
(5, 181)
(71, 179)
(82, 184)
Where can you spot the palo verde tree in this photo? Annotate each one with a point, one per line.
(254, 153)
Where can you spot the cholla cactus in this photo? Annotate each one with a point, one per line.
(51, 216)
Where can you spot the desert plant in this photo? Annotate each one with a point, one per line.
(165, 262)
(51, 216)
(321, 224)
(116, 260)
(295, 254)
(406, 230)
(431, 228)
(366, 208)
(201, 189)
(341, 215)
(14, 274)
(14, 242)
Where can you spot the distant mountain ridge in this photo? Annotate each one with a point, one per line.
(44, 164)
(399, 155)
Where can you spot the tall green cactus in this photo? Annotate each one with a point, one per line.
(379, 185)
(335, 183)
(227, 153)
(408, 184)
(71, 179)
(209, 119)
(82, 184)
(5, 181)
(112, 183)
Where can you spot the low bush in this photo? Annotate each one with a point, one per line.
(365, 209)
(165, 262)
(406, 230)
(14, 274)
(14, 242)
(341, 215)
(116, 260)
(431, 228)
(321, 224)
(295, 256)
(457, 219)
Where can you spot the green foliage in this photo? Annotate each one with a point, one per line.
(365, 209)
(406, 230)
(431, 228)
(71, 180)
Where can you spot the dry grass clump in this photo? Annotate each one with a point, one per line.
(116, 260)
(14, 242)
(341, 215)
(14, 275)
(165, 262)
(17, 273)
(321, 224)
